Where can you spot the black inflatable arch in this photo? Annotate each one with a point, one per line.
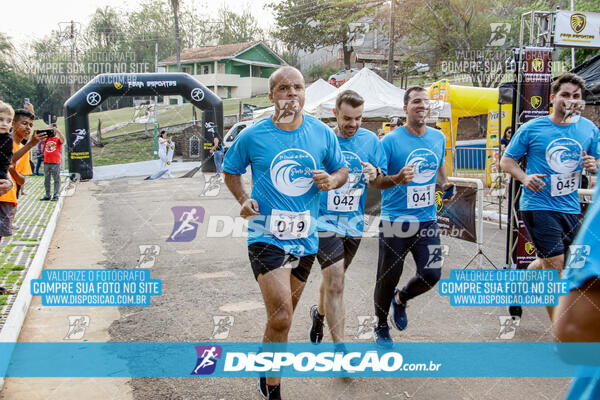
(78, 107)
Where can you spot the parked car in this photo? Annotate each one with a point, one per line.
(339, 78)
(234, 131)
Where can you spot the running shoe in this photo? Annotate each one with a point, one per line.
(316, 330)
(400, 318)
(261, 385)
(382, 335)
(515, 311)
(264, 391)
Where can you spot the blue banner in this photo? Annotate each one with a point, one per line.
(503, 287)
(228, 359)
(96, 287)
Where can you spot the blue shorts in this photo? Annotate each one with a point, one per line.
(551, 232)
(333, 248)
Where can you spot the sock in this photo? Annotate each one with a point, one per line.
(321, 317)
(263, 385)
(274, 392)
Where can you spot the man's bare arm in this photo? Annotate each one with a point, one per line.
(236, 187)
(404, 177)
(533, 182)
(35, 139)
(577, 316)
(17, 177)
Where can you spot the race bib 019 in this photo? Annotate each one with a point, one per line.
(420, 196)
(564, 184)
(344, 201)
(289, 225)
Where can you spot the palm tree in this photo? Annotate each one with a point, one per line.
(105, 27)
(175, 7)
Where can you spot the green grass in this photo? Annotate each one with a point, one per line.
(123, 150)
(12, 278)
(18, 268)
(3, 299)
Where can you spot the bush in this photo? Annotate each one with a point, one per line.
(319, 71)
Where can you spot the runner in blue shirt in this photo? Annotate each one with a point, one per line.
(577, 316)
(341, 219)
(293, 157)
(557, 148)
(415, 157)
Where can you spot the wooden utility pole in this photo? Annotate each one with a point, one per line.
(390, 72)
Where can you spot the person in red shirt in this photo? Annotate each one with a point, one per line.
(52, 158)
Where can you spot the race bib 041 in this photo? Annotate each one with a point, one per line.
(420, 196)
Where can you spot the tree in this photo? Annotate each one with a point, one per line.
(311, 24)
(237, 28)
(459, 32)
(105, 29)
(175, 7)
(14, 85)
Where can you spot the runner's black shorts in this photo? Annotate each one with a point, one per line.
(265, 257)
(551, 232)
(334, 247)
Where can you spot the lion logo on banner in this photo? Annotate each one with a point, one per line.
(536, 101)
(439, 201)
(537, 64)
(578, 22)
(529, 248)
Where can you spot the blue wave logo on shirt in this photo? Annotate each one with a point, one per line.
(291, 172)
(355, 174)
(563, 155)
(426, 165)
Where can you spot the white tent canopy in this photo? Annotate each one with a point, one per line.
(382, 99)
(315, 92)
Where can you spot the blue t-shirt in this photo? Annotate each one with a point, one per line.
(583, 263)
(282, 163)
(583, 260)
(585, 386)
(415, 201)
(556, 151)
(342, 210)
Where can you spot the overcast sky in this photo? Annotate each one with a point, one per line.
(36, 18)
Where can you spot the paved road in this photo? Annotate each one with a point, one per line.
(210, 277)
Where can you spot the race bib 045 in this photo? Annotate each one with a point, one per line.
(564, 184)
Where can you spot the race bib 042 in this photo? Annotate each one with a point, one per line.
(344, 201)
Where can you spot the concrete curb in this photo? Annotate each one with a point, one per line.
(16, 317)
(494, 216)
(137, 169)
